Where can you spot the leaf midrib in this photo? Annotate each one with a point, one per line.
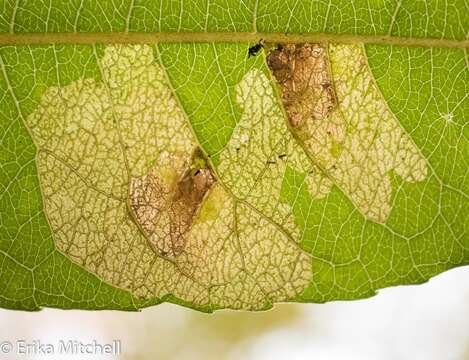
(191, 37)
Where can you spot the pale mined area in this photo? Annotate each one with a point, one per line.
(358, 142)
(128, 199)
(98, 140)
(253, 163)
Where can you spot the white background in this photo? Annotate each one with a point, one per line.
(429, 321)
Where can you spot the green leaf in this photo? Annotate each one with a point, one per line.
(144, 157)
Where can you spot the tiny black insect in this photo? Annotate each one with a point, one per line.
(254, 50)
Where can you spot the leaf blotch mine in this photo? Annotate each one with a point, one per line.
(303, 73)
(131, 198)
(166, 210)
(338, 114)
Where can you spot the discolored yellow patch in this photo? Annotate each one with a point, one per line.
(358, 142)
(375, 144)
(261, 147)
(121, 174)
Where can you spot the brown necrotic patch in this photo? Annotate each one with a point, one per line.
(165, 207)
(303, 72)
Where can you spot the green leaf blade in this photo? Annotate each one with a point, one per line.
(281, 221)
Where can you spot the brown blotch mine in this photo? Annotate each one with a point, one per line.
(147, 199)
(166, 211)
(303, 72)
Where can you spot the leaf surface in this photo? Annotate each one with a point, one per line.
(133, 174)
